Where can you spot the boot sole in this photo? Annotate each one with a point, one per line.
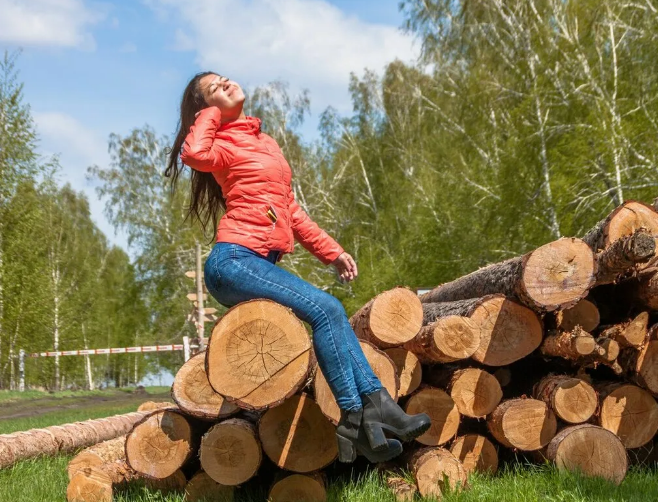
(403, 435)
(347, 451)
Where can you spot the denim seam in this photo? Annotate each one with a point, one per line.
(333, 338)
(358, 363)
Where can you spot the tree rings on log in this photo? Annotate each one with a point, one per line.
(476, 453)
(591, 450)
(525, 424)
(436, 470)
(230, 452)
(632, 333)
(445, 340)
(390, 319)
(202, 488)
(630, 412)
(160, 444)
(508, 331)
(554, 276)
(296, 435)
(193, 394)
(475, 392)
(572, 399)
(382, 366)
(622, 221)
(443, 413)
(408, 367)
(584, 314)
(643, 365)
(258, 355)
(306, 487)
(571, 345)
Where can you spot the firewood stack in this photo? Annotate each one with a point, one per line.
(552, 355)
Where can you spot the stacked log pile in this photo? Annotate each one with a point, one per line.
(552, 355)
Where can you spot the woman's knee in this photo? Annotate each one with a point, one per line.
(331, 306)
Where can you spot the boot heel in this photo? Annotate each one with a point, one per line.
(375, 436)
(346, 450)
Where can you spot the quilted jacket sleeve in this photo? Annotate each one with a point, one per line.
(201, 150)
(310, 235)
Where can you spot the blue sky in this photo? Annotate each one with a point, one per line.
(93, 68)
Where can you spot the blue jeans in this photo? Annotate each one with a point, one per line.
(234, 273)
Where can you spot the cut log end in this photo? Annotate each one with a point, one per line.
(230, 452)
(572, 399)
(631, 413)
(409, 369)
(202, 488)
(435, 470)
(590, 450)
(258, 354)
(298, 487)
(526, 424)
(508, 331)
(192, 392)
(159, 445)
(443, 413)
(559, 274)
(396, 317)
(476, 453)
(296, 435)
(584, 314)
(475, 392)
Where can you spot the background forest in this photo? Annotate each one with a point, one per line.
(523, 121)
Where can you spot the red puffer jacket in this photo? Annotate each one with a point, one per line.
(255, 177)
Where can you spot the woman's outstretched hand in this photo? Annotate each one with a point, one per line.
(346, 267)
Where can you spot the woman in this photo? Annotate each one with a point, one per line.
(238, 168)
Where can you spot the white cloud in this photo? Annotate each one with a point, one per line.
(77, 147)
(47, 22)
(308, 43)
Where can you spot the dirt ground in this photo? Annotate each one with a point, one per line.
(47, 404)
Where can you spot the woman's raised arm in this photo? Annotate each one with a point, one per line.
(201, 151)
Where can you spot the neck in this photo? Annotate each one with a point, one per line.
(226, 120)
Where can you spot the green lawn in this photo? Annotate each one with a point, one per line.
(45, 479)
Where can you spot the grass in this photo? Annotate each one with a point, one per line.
(11, 396)
(45, 479)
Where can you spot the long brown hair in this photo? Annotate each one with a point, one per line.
(206, 197)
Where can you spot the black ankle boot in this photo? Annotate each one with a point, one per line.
(352, 438)
(381, 412)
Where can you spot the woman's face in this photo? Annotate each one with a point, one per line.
(223, 93)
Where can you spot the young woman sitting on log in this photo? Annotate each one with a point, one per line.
(238, 168)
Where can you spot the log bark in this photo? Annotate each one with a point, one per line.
(99, 454)
(309, 487)
(408, 367)
(382, 366)
(161, 443)
(508, 331)
(193, 394)
(629, 412)
(231, 452)
(572, 399)
(591, 450)
(622, 221)
(63, 438)
(442, 410)
(153, 405)
(642, 290)
(259, 354)
(476, 453)
(475, 392)
(436, 470)
(554, 276)
(571, 345)
(390, 319)
(525, 424)
(631, 333)
(641, 365)
(584, 314)
(201, 488)
(296, 435)
(624, 255)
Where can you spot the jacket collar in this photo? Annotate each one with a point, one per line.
(249, 125)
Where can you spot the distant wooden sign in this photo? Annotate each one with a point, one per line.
(191, 274)
(192, 296)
